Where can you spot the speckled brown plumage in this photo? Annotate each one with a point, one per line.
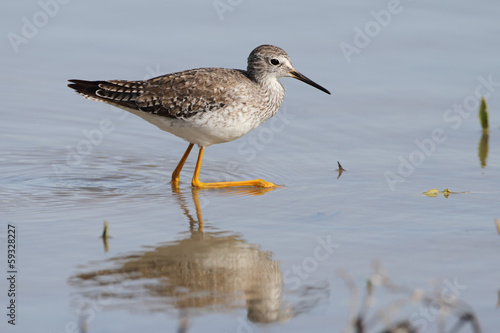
(177, 95)
(205, 105)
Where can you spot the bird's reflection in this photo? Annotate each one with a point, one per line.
(203, 271)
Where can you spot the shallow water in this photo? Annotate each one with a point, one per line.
(247, 260)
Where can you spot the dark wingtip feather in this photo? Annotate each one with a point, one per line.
(89, 90)
(85, 87)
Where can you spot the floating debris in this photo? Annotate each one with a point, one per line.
(432, 193)
(340, 170)
(446, 192)
(497, 221)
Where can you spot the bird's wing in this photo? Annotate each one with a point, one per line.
(187, 93)
(178, 95)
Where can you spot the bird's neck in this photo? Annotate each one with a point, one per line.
(274, 93)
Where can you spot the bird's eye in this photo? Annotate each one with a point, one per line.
(275, 62)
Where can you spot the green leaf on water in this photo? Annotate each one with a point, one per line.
(483, 114)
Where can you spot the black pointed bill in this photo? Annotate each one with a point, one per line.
(305, 79)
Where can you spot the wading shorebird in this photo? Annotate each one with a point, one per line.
(205, 106)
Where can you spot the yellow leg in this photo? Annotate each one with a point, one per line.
(197, 183)
(177, 171)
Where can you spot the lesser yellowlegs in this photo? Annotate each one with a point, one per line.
(205, 106)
